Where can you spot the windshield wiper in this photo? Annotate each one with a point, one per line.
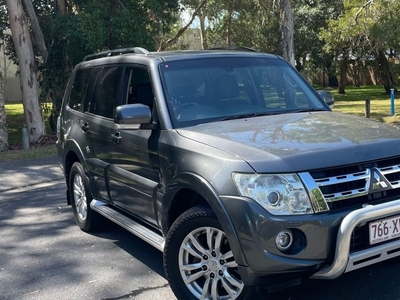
(250, 115)
(308, 110)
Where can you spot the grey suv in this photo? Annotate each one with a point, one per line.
(232, 165)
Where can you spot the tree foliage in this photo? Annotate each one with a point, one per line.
(365, 32)
(88, 26)
(329, 35)
(251, 23)
(310, 18)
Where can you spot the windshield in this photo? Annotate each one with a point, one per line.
(206, 90)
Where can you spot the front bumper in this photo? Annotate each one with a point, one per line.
(326, 254)
(346, 262)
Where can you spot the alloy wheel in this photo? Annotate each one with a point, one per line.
(207, 265)
(80, 198)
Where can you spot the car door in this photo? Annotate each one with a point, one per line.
(98, 122)
(134, 173)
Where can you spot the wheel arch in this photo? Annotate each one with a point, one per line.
(72, 155)
(188, 190)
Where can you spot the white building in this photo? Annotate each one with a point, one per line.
(11, 82)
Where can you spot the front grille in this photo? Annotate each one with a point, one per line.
(359, 184)
(360, 239)
(352, 187)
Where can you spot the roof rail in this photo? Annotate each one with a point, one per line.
(137, 50)
(234, 48)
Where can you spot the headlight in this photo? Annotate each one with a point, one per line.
(280, 194)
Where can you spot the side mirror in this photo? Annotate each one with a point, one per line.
(132, 116)
(327, 97)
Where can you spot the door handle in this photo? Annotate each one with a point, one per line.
(85, 126)
(116, 137)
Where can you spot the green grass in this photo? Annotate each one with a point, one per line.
(31, 153)
(361, 93)
(353, 102)
(15, 121)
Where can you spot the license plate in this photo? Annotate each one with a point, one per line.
(384, 230)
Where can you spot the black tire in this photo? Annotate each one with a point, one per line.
(87, 219)
(211, 263)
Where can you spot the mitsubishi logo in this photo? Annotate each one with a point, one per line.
(378, 182)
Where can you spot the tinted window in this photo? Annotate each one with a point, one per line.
(139, 87)
(88, 99)
(78, 90)
(105, 92)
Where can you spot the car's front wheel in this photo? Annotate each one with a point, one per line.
(198, 261)
(86, 218)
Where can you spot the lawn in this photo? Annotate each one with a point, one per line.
(16, 120)
(353, 102)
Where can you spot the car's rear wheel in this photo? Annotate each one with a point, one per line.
(79, 189)
(198, 261)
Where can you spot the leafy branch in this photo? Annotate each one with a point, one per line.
(173, 40)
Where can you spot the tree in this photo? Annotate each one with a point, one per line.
(3, 123)
(363, 33)
(181, 31)
(311, 18)
(386, 36)
(252, 23)
(287, 29)
(37, 31)
(27, 66)
(73, 29)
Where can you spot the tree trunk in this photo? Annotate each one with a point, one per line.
(37, 31)
(29, 85)
(385, 72)
(287, 29)
(62, 6)
(203, 34)
(3, 123)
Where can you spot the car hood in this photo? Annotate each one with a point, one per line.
(300, 141)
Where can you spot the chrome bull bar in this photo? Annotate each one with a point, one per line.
(346, 262)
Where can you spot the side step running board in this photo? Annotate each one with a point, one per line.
(146, 234)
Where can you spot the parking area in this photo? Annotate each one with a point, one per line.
(44, 255)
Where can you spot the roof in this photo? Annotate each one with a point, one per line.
(191, 54)
(176, 55)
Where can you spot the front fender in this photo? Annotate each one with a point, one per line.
(199, 185)
(68, 153)
(71, 146)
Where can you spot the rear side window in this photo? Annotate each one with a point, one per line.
(105, 92)
(78, 90)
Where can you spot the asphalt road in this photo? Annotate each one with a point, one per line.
(44, 255)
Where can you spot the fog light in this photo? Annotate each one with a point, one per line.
(284, 240)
